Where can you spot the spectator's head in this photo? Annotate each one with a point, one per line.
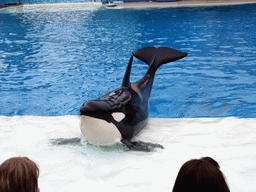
(200, 175)
(19, 174)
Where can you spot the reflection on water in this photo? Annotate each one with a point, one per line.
(52, 60)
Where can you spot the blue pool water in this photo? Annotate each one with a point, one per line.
(54, 59)
(49, 1)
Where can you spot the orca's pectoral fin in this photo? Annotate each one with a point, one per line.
(63, 141)
(140, 145)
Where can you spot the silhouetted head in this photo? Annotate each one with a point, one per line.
(19, 174)
(200, 175)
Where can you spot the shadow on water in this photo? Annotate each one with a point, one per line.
(120, 146)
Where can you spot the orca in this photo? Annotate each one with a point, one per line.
(121, 114)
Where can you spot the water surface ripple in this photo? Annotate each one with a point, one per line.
(52, 60)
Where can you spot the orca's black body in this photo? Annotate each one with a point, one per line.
(130, 101)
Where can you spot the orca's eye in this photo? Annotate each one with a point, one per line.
(118, 116)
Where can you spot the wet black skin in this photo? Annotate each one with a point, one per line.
(132, 98)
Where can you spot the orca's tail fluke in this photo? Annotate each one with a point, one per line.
(158, 56)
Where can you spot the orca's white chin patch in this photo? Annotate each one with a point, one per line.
(98, 131)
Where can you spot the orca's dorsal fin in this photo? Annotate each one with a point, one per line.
(126, 79)
(162, 55)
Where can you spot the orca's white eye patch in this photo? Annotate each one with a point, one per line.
(118, 116)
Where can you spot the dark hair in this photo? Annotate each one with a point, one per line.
(200, 175)
(19, 174)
